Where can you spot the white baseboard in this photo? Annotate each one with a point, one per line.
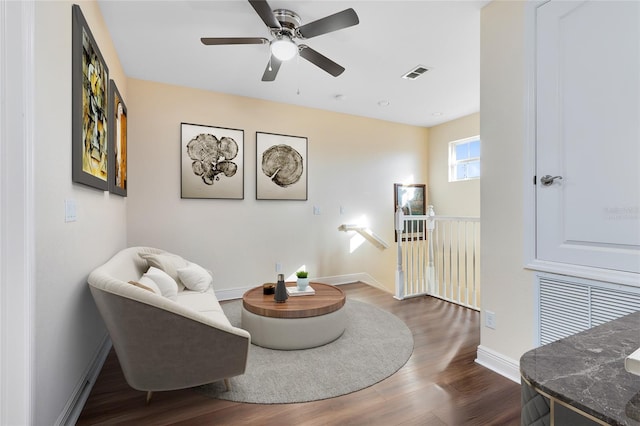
(236, 293)
(78, 398)
(498, 363)
(231, 293)
(350, 279)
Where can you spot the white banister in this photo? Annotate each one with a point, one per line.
(399, 222)
(438, 256)
(431, 224)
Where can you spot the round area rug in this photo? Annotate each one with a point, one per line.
(374, 345)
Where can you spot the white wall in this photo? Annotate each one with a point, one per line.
(17, 223)
(508, 289)
(353, 162)
(68, 327)
(452, 198)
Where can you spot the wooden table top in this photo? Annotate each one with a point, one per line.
(327, 299)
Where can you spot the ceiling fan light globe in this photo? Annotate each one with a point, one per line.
(284, 49)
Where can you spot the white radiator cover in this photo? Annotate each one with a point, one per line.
(568, 305)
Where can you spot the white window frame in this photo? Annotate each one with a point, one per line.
(454, 163)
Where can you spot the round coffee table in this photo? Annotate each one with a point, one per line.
(302, 322)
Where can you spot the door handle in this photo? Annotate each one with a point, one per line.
(547, 180)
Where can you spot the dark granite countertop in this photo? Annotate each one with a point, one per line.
(586, 371)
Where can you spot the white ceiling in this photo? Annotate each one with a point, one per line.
(159, 40)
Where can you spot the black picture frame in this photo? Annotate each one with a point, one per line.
(411, 198)
(221, 175)
(282, 167)
(118, 142)
(90, 107)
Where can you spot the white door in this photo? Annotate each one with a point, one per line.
(588, 133)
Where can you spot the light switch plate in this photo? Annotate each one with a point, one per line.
(70, 211)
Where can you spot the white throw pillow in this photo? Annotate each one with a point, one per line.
(167, 285)
(167, 262)
(147, 284)
(195, 277)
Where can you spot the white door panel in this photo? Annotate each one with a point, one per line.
(588, 132)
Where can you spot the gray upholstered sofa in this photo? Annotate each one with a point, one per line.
(165, 341)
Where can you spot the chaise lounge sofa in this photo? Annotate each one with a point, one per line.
(166, 335)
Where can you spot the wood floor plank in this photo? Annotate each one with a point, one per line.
(439, 385)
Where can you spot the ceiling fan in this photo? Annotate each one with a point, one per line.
(284, 26)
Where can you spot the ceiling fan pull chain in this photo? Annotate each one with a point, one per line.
(298, 72)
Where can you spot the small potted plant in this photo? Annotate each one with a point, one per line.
(303, 280)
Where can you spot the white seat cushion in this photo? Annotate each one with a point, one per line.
(200, 302)
(217, 316)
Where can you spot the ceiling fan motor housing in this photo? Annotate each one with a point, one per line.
(289, 21)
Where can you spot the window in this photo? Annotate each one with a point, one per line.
(464, 159)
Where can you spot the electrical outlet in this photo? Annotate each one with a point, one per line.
(278, 267)
(316, 210)
(490, 319)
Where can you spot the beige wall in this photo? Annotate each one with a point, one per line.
(452, 198)
(353, 163)
(68, 328)
(508, 289)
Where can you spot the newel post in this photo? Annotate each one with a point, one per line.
(431, 224)
(399, 222)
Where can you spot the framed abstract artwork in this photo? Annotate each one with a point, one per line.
(118, 144)
(212, 162)
(411, 198)
(281, 167)
(90, 107)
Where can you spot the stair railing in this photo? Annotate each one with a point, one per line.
(438, 256)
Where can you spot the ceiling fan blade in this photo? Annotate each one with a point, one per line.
(263, 9)
(337, 21)
(214, 41)
(320, 60)
(272, 69)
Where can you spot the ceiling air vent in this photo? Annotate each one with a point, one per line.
(415, 73)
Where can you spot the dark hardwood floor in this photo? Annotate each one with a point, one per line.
(439, 385)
